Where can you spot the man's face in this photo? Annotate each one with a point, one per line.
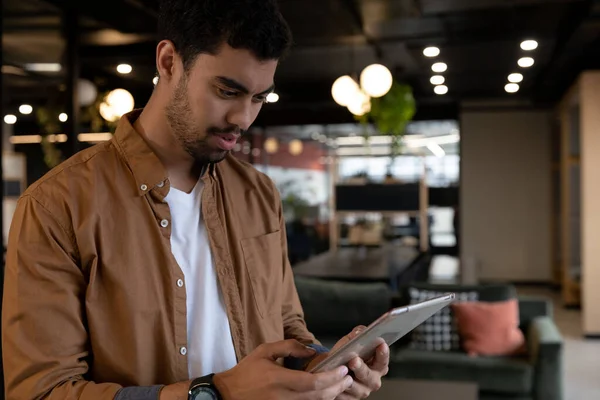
(217, 100)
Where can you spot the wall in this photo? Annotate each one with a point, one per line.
(590, 200)
(505, 195)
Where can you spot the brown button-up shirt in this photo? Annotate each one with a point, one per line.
(91, 300)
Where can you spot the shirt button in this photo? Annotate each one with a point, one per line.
(164, 223)
(179, 283)
(183, 351)
(144, 187)
(161, 184)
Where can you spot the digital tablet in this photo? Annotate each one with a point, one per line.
(388, 328)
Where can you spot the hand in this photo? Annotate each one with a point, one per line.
(259, 376)
(367, 375)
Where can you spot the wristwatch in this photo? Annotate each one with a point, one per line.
(203, 389)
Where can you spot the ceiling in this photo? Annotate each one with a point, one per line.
(479, 40)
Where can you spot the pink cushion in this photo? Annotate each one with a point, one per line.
(490, 329)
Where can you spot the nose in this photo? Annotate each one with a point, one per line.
(243, 114)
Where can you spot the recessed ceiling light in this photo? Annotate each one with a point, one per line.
(63, 117)
(437, 80)
(441, 90)
(10, 119)
(526, 62)
(124, 69)
(439, 67)
(431, 52)
(512, 88)
(272, 98)
(529, 45)
(25, 109)
(515, 78)
(43, 67)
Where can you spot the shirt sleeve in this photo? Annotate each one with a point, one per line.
(139, 393)
(44, 337)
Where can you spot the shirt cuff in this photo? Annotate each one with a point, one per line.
(298, 364)
(139, 393)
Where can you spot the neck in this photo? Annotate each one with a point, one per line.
(152, 124)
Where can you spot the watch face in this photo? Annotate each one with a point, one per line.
(203, 393)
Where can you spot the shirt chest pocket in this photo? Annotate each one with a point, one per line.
(264, 262)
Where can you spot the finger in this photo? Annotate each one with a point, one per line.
(345, 396)
(363, 374)
(332, 392)
(381, 360)
(358, 391)
(355, 332)
(316, 382)
(284, 348)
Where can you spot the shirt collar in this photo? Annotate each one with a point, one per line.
(148, 171)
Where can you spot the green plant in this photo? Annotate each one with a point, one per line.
(391, 114)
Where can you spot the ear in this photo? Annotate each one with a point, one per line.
(167, 61)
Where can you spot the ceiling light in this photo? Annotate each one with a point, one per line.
(431, 52)
(116, 104)
(376, 80)
(63, 117)
(437, 80)
(295, 148)
(512, 88)
(526, 62)
(439, 67)
(529, 45)
(43, 67)
(271, 145)
(124, 69)
(10, 119)
(272, 98)
(515, 78)
(360, 104)
(155, 80)
(25, 109)
(94, 137)
(344, 89)
(441, 90)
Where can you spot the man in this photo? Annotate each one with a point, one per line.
(157, 258)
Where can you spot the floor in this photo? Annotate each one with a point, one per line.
(581, 356)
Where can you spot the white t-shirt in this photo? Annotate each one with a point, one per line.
(210, 345)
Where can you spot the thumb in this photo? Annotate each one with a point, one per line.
(355, 332)
(285, 348)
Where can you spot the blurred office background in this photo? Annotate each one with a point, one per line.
(416, 144)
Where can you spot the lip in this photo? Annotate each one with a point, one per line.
(226, 141)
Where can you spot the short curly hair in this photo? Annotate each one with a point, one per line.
(202, 26)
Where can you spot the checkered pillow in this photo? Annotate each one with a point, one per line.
(438, 333)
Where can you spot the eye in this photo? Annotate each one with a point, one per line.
(227, 94)
(260, 99)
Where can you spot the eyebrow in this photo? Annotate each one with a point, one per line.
(233, 84)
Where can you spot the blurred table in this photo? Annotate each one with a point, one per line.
(394, 389)
(381, 264)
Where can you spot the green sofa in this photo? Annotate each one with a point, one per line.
(332, 309)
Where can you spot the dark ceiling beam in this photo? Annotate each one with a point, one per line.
(461, 6)
(142, 52)
(580, 36)
(358, 21)
(124, 16)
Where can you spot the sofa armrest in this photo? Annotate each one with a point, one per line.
(546, 350)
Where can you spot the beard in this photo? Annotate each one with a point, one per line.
(190, 137)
